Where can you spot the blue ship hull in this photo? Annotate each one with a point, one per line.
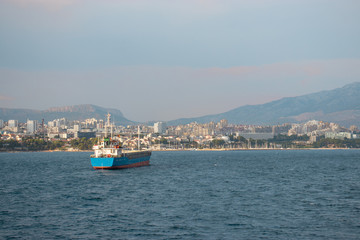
(121, 162)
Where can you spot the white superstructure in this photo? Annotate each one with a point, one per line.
(107, 147)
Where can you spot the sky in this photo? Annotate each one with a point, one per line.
(168, 59)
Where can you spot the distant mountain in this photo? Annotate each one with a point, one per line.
(341, 105)
(76, 112)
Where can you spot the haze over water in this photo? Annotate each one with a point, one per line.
(183, 195)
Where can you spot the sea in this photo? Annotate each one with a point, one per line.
(250, 194)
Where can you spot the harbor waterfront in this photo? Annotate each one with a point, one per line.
(83, 135)
(183, 195)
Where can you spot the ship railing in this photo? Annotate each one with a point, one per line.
(105, 155)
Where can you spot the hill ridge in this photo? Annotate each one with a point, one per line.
(327, 105)
(72, 112)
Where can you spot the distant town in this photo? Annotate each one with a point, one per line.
(64, 135)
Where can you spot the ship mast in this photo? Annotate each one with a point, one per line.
(111, 127)
(138, 137)
(107, 123)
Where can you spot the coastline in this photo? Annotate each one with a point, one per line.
(47, 151)
(247, 149)
(198, 150)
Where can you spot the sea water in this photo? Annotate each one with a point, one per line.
(289, 194)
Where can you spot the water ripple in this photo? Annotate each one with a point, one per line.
(183, 195)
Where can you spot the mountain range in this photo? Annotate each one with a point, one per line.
(76, 112)
(341, 105)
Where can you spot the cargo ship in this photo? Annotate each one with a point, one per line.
(109, 154)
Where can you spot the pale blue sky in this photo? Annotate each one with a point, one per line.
(183, 58)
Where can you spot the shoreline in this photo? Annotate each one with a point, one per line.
(46, 151)
(197, 150)
(247, 149)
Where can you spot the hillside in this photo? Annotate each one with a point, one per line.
(76, 112)
(341, 105)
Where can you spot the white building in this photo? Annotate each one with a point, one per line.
(13, 123)
(63, 135)
(77, 128)
(31, 126)
(51, 124)
(58, 123)
(159, 127)
(1, 123)
(338, 135)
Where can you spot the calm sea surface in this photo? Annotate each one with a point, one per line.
(308, 194)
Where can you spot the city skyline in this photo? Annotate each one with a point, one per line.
(163, 61)
(68, 135)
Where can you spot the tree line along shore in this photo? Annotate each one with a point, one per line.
(235, 143)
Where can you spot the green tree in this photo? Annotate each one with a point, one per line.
(163, 140)
(217, 143)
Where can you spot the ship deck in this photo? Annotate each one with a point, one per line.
(131, 154)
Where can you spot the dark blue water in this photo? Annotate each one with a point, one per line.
(183, 195)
